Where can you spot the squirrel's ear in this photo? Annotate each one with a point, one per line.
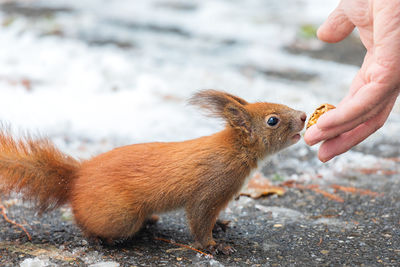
(224, 105)
(238, 117)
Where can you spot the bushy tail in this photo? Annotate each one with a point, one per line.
(37, 170)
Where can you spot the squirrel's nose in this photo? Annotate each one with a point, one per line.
(303, 116)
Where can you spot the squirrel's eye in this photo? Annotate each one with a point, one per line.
(272, 121)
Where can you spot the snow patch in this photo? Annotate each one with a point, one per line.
(35, 262)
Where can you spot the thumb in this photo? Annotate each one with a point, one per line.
(336, 27)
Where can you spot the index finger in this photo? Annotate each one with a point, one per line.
(357, 106)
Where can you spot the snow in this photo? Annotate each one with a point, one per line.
(101, 92)
(34, 262)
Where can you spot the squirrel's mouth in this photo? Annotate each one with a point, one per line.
(295, 138)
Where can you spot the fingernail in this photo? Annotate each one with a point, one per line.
(324, 160)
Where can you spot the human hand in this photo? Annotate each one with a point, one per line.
(376, 86)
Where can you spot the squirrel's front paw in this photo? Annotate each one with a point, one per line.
(205, 245)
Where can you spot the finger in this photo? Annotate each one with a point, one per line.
(336, 27)
(315, 135)
(357, 107)
(344, 142)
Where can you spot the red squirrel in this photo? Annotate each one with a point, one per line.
(113, 194)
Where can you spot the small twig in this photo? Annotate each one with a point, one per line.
(369, 171)
(353, 190)
(4, 213)
(184, 246)
(393, 159)
(327, 194)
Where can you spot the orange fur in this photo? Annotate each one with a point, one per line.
(113, 194)
(36, 169)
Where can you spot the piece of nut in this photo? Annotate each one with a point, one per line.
(318, 112)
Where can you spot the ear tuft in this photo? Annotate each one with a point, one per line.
(214, 101)
(223, 105)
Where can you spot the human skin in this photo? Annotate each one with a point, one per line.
(375, 87)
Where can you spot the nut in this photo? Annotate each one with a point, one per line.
(318, 112)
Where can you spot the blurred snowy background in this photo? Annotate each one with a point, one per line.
(95, 74)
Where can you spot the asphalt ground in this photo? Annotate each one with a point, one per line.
(351, 221)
